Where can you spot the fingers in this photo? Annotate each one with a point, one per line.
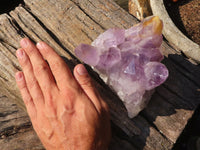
(58, 67)
(31, 81)
(37, 71)
(85, 82)
(41, 69)
(28, 101)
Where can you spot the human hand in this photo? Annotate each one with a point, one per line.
(65, 109)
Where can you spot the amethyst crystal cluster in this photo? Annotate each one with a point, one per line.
(129, 61)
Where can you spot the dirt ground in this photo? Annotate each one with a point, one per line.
(186, 16)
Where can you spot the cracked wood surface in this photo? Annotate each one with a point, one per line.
(15, 128)
(64, 25)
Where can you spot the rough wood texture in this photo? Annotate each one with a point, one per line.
(122, 3)
(16, 131)
(64, 25)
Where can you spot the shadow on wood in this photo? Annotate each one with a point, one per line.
(81, 21)
(175, 100)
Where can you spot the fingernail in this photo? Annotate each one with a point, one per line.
(81, 70)
(39, 45)
(24, 42)
(20, 53)
(19, 76)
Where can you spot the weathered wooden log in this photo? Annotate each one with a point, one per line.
(122, 3)
(64, 25)
(16, 131)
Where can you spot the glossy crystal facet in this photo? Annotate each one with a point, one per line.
(129, 61)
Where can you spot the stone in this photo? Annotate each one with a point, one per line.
(129, 61)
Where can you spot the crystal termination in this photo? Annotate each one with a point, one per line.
(129, 61)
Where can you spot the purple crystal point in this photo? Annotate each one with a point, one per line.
(88, 54)
(156, 73)
(133, 33)
(109, 58)
(130, 69)
(110, 38)
(129, 61)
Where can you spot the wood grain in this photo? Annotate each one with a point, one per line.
(66, 24)
(16, 131)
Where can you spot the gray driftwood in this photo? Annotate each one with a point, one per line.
(66, 24)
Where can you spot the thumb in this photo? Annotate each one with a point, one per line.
(85, 81)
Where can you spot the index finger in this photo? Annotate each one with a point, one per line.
(59, 68)
(41, 69)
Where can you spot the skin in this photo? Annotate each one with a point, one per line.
(66, 111)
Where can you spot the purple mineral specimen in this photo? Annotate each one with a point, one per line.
(129, 61)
